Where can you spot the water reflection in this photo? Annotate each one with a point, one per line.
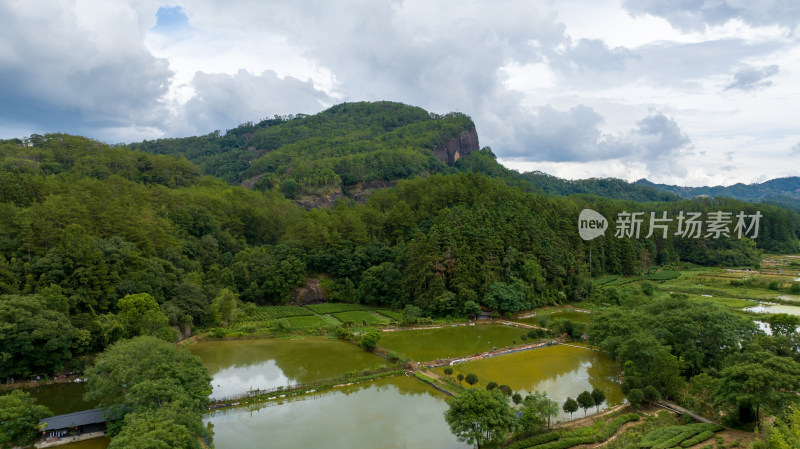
(561, 371)
(391, 413)
(451, 341)
(241, 365)
(774, 308)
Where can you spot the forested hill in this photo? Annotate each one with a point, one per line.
(783, 192)
(316, 159)
(84, 225)
(351, 148)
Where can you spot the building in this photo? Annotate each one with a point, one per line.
(73, 424)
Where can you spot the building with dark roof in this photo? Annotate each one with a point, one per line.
(73, 424)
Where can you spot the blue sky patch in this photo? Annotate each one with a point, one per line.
(171, 19)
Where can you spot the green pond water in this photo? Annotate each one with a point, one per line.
(452, 341)
(62, 398)
(578, 317)
(560, 371)
(775, 308)
(399, 412)
(94, 443)
(241, 365)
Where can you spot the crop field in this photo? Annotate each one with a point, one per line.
(336, 307)
(310, 321)
(262, 313)
(362, 317)
(397, 316)
(253, 319)
(674, 436)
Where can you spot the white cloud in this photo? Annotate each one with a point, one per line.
(223, 101)
(545, 81)
(78, 66)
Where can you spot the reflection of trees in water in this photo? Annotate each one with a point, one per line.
(601, 375)
(452, 341)
(299, 360)
(398, 385)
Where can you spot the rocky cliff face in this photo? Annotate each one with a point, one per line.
(449, 152)
(311, 293)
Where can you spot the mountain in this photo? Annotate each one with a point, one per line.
(353, 148)
(347, 149)
(784, 192)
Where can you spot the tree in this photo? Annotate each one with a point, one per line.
(130, 362)
(156, 429)
(35, 339)
(536, 407)
(471, 379)
(224, 307)
(411, 314)
(516, 398)
(140, 315)
(369, 340)
(786, 432)
(491, 386)
(478, 416)
(570, 406)
(460, 377)
(599, 397)
(472, 309)
(448, 370)
(651, 394)
(19, 419)
(505, 389)
(759, 378)
(635, 397)
(585, 400)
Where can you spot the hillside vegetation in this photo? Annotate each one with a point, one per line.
(100, 243)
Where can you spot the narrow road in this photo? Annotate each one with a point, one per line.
(678, 409)
(483, 355)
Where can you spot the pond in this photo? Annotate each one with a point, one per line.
(62, 398)
(237, 366)
(399, 412)
(94, 443)
(452, 341)
(774, 308)
(561, 371)
(578, 317)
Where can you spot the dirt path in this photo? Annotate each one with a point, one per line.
(483, 355)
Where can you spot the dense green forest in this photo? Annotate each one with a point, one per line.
(100, 243)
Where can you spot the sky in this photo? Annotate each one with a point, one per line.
(681, 92)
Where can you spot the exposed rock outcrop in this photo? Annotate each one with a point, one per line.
(362, 190)
(449, 152)
(311, 293)
(323, 198)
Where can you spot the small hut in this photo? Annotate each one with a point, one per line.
(73, 424)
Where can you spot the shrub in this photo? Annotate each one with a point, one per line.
(699, 438)
(369, 340)
(612, 427)
(535, 441)
(565, 443)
